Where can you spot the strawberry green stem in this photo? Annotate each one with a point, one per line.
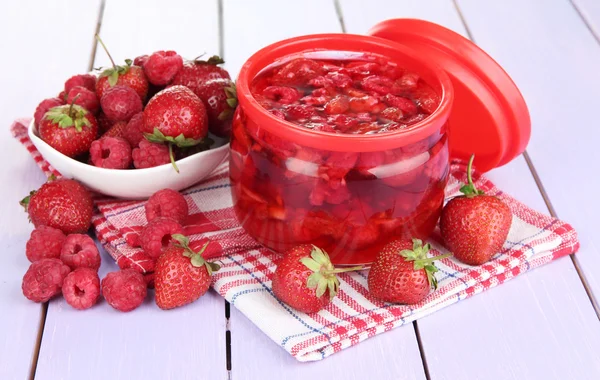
(343, 270)
(106, 50)
(172, 157)
(469, 189)
(469, 171)
(72, 103)
(435, 258)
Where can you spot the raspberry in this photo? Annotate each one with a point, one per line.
(278, 114)
(405, 105)
(81, 288)
(391, 113)
(299, 111)
(343, 123)
(44, 279)
(149, 278)
(120, 103)
(321, 81)
(83, 97)
(408, 82)
(281, 94)
(79, 251)
(324, 91)
(111, 152)
(149, 154)
(117, 129)
(133, 132)
(103, 123)
(363, 104)
(339, 80)
(363, 69)
(160, 68)
(379, 84)
(167, 203)
(337, 105)
(315, 100)
(124, 290)
(45, 243)
(44, 106)
(62, 96)
(156, 236)
(141, 60)
(323, 127)
(84, 80)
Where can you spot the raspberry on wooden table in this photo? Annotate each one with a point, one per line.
(162, 66)
(44, 106)
(167, 203)
(149, 154)
(157, 235)
(124, 290)
(80, 251)
(133, 131)
(81, 288)
(84, 80)
(44, 243)
(111, 152)
(82, 96)
(44, 279)
(120, 103)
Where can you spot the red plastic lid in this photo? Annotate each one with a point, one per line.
(489, 116)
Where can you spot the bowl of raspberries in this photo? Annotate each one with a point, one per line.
(129, 130)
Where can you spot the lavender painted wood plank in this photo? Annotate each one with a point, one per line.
(590, 11)
(557, 70)
(248, 27)
(102, 343)
(515, 323)
(33, 69)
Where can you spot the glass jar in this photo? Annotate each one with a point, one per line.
(349, 194)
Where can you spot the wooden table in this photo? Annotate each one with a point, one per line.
(541, 325)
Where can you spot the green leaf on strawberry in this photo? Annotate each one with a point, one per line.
(232, 102)
(418, 254)
(68, 116)
(115, 71)
(181, 141)
(469, 190)
(195, 257)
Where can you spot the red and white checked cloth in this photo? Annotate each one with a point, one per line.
(353, 316)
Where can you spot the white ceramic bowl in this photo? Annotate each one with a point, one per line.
(137, 183)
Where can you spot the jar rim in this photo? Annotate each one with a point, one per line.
(342, 142)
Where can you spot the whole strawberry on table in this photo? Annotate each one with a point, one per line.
(151, 111)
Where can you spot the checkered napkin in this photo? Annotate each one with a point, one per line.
(353, 316)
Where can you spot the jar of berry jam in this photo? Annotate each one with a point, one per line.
(344, 141)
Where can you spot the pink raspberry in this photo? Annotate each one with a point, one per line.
(156, 236)
(405, 105)
(343, 123)
(149, 154)
(124, 290)
(408, 81)
(85, 98)
(84, 80)
(363, 104)
(149, 278)
(44, 106)
(120, 103)
(278, 114)
(337, 105)
(141, 60)
(79, 251)
(167, 203)
(299, 111)
(133, 132)
(391, 113)
(44, 243)
(379, 84)
(339, 80)
(162, 66)
(62, 96)
(111, 152)
(81, 288)
(44, 279)
(282, 94)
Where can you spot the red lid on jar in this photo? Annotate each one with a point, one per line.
(489, 116)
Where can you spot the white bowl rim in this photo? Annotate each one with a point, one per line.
(31, 131)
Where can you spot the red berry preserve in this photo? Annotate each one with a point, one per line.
(349, 202)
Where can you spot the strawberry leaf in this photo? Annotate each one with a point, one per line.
(311, 264)
(321, 287)
(181, 141)
(113, 78)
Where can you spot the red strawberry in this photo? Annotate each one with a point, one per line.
(402, 272)
(126, 75)
(475, 226)
(70, 129)
(181, 275)
(175, 116)
(194, 74)
(63, 204)
(220, 99)
(306, 279)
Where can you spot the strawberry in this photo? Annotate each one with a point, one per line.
(220, 99)
(70, 129)
(181, 275)
(306, 280)
(194, 74)
(63, 204)
(177, 117)
(474, 226)
(127, 75)
(402, 272)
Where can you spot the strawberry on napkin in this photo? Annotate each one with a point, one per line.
(244, 280)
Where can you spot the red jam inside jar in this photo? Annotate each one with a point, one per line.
(349, 202)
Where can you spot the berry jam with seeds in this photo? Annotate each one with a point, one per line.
(365, 94)
(348, 203)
